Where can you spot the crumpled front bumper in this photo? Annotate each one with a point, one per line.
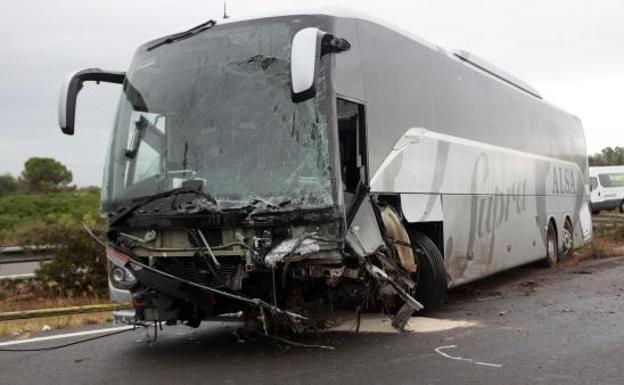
(121, 296)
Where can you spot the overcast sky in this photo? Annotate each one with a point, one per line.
(572, 51)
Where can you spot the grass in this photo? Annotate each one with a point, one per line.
(20, 212)
(608, 238)
(24, 328)
(16, 296)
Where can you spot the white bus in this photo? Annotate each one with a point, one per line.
(289, 162)
(607, 188)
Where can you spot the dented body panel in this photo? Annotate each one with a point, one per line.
(491, 162)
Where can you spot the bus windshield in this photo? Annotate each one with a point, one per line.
(217, 107)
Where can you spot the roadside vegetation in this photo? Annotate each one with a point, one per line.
(42, 208)
(608, 156)
(608, 237)
(21, 214)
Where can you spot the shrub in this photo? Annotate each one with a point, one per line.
(8, 184)
(20, 212)
(79, 264)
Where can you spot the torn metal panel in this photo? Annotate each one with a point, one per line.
(364, 236)
(294, 248)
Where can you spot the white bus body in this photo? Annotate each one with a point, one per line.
(301, 155)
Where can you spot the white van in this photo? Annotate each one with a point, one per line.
(607, 188)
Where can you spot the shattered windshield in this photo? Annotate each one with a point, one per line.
(217, 107)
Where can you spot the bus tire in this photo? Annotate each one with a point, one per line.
(431, 282)
(568, 239)
(552, 245)
(622, 207)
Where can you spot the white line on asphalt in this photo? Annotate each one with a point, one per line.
(457, 358)
(67, 335)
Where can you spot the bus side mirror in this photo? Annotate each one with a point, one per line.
(73, 85)
(308, 45)
(304, 57)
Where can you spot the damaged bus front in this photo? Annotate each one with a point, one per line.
(223, 183)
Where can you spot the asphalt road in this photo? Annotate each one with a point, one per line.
(20, 268)
(529, 325)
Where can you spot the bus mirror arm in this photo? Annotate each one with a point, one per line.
(72, 86)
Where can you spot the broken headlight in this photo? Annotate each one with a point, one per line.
(118, 274)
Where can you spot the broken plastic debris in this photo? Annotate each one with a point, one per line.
(293, 246)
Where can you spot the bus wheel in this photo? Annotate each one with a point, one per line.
(431, 280)
(622, 207)
(552, 247)
(568, 239)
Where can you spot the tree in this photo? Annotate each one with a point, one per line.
(609, 156)
(45, 174)
(8, 184)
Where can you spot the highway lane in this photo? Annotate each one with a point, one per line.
(19, 268)
(559, 326)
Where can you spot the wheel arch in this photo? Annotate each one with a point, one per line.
(553, 220)
(432, 229)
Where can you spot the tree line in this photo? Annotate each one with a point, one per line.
(40, 175)
(609, 156)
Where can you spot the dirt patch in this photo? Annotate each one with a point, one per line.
(608, 238)
(600, 247)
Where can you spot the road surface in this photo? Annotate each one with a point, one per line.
(529, 325)
(19, 268)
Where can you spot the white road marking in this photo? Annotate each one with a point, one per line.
(457, 358)
(67, 335)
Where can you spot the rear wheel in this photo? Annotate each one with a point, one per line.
(568, 239)
(430, 274)
(552, 248)
(622, 206)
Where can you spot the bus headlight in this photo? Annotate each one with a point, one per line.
(121, 277)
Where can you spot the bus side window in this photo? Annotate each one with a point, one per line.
(351, 133)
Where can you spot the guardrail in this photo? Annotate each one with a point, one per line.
(26, 314)
(22, 254)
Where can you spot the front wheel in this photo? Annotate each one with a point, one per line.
(431, 282)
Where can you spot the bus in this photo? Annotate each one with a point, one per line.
(607, 188)
(275, 166)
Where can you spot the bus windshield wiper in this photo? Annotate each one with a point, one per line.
(184, 35)
(176, 191)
